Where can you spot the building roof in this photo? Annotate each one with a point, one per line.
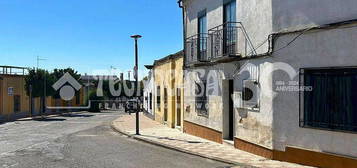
(149, 66)
(169, 57)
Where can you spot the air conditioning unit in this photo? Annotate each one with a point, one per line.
(250, 94)
(237, 100)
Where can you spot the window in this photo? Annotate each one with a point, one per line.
(165, 97)
(158, 97)
(331, 101)
(230, 12)
(150, 101)
(178, 104)
(17, 103)
(230, 30)
(202, 35)
(201, 98)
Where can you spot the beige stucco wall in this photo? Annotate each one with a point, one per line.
(168, 75)
(7, 101)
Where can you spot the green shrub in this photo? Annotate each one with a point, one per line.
(94, 101)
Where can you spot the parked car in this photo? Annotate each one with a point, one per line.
(131, 106)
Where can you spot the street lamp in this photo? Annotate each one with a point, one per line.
(136, 37)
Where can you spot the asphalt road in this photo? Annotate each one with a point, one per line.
(84, 140)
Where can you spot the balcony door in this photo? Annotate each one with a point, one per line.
(202, 36)
(229, 28)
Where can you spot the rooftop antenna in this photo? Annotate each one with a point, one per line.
(38, 61)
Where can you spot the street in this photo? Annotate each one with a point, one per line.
(84, 140)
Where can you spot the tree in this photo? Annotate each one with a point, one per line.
(94, 101)
(39, 82)
(58, 73)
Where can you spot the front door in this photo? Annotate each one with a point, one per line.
(231, 111)
(228, 110)
(178, 109)
(165, 104)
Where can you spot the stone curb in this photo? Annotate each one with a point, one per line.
(176, 148)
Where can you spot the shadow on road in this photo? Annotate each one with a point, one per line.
(76, 115)
(49, 119)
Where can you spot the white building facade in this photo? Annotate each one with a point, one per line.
(275, 77)
(149, 90)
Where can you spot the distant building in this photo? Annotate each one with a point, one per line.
(14, 102)
(149, 91)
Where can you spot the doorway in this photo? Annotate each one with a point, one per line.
(178, 107)
(231, 111)
(228, 110)
(165, 104)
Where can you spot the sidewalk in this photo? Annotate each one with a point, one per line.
(155, 133)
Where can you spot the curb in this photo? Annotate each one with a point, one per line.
(176, 148)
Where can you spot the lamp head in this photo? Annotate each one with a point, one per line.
(136, 36)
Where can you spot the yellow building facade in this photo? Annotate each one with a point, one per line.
(14, 101)
(13, 98)
(168, 101)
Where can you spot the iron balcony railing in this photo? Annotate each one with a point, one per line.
(230, 40)
(197, 48)
(224, 41)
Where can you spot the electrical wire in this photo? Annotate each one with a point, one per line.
(294, 39)
(306, 30)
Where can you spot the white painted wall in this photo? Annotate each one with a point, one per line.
(297, 14)
(255, 15)
(149, 87)
(325, 48)
(275, 125)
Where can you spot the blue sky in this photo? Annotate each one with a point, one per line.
(87, 34)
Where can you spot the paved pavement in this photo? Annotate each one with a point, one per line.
(156, 133)
(84, 140)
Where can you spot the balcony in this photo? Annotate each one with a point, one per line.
(196, 49)
(223, 43)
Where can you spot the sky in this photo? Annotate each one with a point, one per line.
(88, 35)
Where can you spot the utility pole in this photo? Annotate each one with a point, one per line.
(112, 70)
(136, 37)
(129, 75)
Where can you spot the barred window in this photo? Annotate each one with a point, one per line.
(201, 98)
(331, 103)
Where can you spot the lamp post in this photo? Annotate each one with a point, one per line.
(136, 37)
